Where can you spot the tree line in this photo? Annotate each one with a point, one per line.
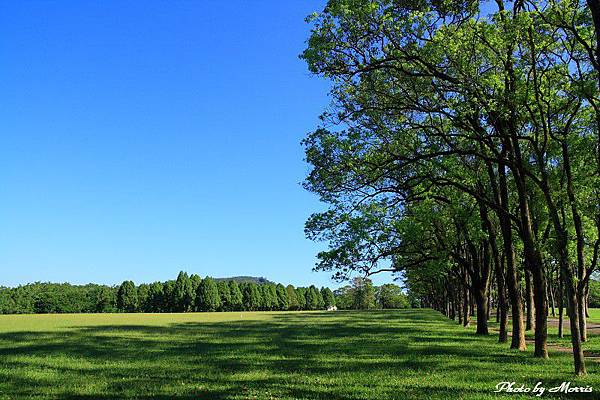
(187, 293)
(462, 151)
(361, 294)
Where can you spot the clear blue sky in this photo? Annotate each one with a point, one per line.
(141, 138)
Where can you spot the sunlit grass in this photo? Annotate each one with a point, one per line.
(594, 315)
(409, 354)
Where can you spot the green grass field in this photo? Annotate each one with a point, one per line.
(409, 354)
(594, 315)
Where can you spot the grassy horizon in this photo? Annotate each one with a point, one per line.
(403, 354)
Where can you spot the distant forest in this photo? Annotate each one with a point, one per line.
(187, 293)
(191, 293)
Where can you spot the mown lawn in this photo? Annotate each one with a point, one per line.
(594, 315)
(409, 354)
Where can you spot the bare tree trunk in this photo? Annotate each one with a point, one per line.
(560, 305)
(459, 307)
(552, 299)
(466, 315)
(471, 305)
(578, 359)
(587, 300)
(541, 313)
(482, 311)
(581, 313)
(518, 329)
(529, 324)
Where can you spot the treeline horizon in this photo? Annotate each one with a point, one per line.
(186, 293)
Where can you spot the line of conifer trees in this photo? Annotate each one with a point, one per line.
(187, 293)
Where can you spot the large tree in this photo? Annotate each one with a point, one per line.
(489, 103)
(127, 298)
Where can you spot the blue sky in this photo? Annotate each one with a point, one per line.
(142, 138)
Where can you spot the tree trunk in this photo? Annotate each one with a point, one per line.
(488, 305)
(529, 324)
(581, 313)
(587, 300)
(552, 299)
(518, 329)
(459, 308)
(541, 314)
(471, 305)
(533, 259)
(466, 315)
(578, 360)
(560, 305)
(497, 312)
(482, 311)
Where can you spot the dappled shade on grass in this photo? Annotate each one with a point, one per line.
(344, 355)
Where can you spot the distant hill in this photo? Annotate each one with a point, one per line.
(239, 279)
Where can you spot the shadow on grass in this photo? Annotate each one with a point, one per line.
(311, 356)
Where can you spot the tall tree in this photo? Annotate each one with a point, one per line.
(127, 300)
(236, 296)
(207, 297)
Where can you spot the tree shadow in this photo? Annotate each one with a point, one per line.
(346, 355)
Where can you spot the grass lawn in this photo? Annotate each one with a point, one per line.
(409, 354)
(594, 315)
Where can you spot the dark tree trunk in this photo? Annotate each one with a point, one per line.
(488, 305)
(501, 306)
(518, 329)
(541, 314)
(533, 259)
(581, 313)
(569, 286)
(482, 311)
(578, 360)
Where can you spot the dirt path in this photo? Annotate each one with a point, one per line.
(592, 327)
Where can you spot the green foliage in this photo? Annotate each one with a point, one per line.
(390, 296)
(251, 296)
(156, 297)
(301, 296)
(143, 292)
(328, 297)
(127, 297)
(168, 298)
(292, 298)
(207, 297)
(282, 297)
(594, 294)
(185, 294)
(224, 295)
(362, 295)
(236, 296)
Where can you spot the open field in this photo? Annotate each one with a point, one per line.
(409, 354)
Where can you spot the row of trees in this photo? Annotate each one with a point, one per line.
(462, 150)
(57, 298)
(186, 293)
(362, 295)
(192, 293)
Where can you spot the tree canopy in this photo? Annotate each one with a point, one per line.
(461, 151)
